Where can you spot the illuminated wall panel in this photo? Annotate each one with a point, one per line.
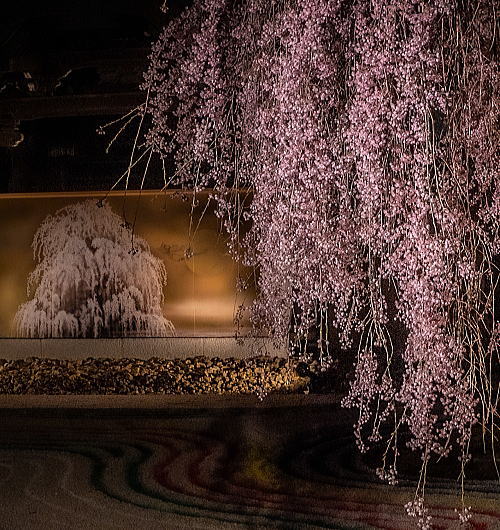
(200, 297)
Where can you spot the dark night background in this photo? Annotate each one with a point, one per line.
(67, 68)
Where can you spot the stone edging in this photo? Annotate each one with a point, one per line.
(139, 348)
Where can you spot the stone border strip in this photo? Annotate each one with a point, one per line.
(140, 348)
(162, 401)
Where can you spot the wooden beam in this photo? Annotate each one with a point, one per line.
(32, 108)
(111, 59)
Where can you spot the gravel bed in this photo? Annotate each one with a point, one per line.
(197, 375)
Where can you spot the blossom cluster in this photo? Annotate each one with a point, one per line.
(367, 133)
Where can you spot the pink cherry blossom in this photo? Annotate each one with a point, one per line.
(367, 132)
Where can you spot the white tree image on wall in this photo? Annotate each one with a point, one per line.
(92, 279)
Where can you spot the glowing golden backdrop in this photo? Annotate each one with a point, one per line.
(200, 296)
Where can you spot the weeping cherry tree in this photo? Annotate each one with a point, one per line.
(367, 132)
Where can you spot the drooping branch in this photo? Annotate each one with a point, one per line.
(368, 134)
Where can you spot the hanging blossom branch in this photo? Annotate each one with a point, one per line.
(367, 134)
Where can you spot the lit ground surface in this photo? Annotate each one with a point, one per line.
(202, 462)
